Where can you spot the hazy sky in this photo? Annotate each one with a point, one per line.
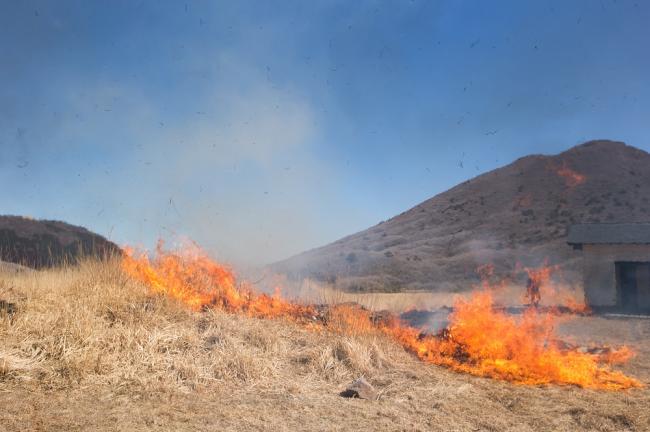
(261, 129)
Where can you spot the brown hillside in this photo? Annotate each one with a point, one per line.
(43, 243)
(515, 214)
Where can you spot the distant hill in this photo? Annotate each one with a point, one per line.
(44, 243)
(6, 267)
(515, 214)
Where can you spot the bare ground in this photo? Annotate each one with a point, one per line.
(87, 349)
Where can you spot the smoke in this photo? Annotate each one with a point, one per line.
(242, 182)
(238, 173)
(508, 271)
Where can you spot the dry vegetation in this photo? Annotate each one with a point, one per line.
(401, 301)
(506, 294)
(86, 349)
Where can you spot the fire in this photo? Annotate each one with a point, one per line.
(480, 340)
(486, 342)
(576, 307)
(536, 278)
(571, 177)
(540, 285)
(196, 280)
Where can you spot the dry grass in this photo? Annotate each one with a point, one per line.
(310, 291)
(507, 295)
(393, 302)
(88, 349)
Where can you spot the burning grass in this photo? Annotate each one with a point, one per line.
(570, 176)
(486, 342)
(479, 340)
(88, 348)
(93, 326)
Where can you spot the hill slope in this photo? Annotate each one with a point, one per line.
(515, 214)
(43, 243)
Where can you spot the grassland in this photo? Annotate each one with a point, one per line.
(88, 349)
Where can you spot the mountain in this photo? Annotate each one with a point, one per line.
(510, 217)
(44, 243)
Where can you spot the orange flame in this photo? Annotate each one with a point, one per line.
(536, 278)
(540, 286)
(576, 307)
(571, 177)
(486, 342)
(193, 278)
(480, 340)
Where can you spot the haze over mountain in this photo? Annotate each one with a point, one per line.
(510, 217)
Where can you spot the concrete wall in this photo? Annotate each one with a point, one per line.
(643, 287)
(599, 273)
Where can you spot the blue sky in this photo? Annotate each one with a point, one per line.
(261, 129)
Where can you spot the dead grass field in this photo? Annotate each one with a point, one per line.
(87, 349)
(509, 295)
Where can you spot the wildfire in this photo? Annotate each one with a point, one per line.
(480, 340)
(540, 285)
(486, 342)
(571, 177)
(193, 278)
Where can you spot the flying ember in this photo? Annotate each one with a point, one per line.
(480, 339)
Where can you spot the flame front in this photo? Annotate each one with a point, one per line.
(486, 342)
(480, 339)
(571, 177)
(193, 278)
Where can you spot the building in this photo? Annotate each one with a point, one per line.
(616, 265)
